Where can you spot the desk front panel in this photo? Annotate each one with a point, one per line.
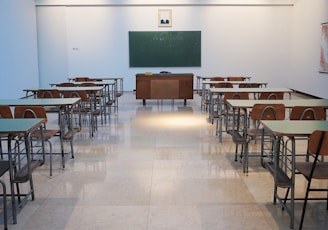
(172, 86)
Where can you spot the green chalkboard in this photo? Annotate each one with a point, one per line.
(165, 48)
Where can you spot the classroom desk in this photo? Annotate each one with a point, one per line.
(164, 86)
(206, 85)
(200, 79)
(93, 89)
(222, 91)
(237, 104)
(110, 94)
(246, 104)
(281, 129)
(41, 102)
(65, 104)
(118, 82)
(25, 127)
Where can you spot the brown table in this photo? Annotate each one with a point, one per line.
(164, 86)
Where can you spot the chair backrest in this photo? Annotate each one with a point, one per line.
(48, 93)
(268, 112)
(240, 78)
(30, 112)
(79, 79)
(66, 84)
(5, 112)
(217, 79)
(249, 85)
(271, 96)
(88, 84)
(235, 95)
(223, 85)
(318, 143)
(73, 94)
(307, 113)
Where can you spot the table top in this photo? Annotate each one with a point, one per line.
(19, 125)
(294, 128)
(206, 82)
(98, 78)
(40, 101)
(73, 88)
(207, 77)
(78, 83)
(289, 103)
(249, 90)
(165, 74)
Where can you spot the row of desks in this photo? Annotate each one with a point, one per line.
(286, 128)
(201, 79)
(24, 127)
(279, 129)
(221, 91)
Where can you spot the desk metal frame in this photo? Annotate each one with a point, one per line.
(293, 129)
(118, 87)
(206, 85)
(200, 79)
(26, 127)
(221, 91)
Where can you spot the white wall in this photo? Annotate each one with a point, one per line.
(52, 45)
(306, 36)
(278, 44)
(236, 40)
(18, 45)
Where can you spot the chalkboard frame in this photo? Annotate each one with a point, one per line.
(164, 48)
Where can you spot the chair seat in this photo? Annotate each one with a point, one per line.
(253, 133)
(23, 174)
(320, 171)
(48, 133)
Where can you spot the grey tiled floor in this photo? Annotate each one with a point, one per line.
(157, 167)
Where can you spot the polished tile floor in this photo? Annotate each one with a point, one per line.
(157, 167)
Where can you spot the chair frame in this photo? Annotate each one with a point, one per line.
(48, 134)
(5, 113)
(317, 147)
(4, 167)
(271, 96)
(261, 112)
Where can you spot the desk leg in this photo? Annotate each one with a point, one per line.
(11, 178)
(277, 142)
(292, 194)
(144, 102)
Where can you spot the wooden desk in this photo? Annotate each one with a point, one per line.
(65, 105)
(291, 129)
(118, 82)
(206, 85)
(164, 86)
(110, 93)
(24, 127)
(41, 102)
(236, 104)
(201, 79)
(222, 91)
(63, 89)
(245, 104)
(93, 89)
